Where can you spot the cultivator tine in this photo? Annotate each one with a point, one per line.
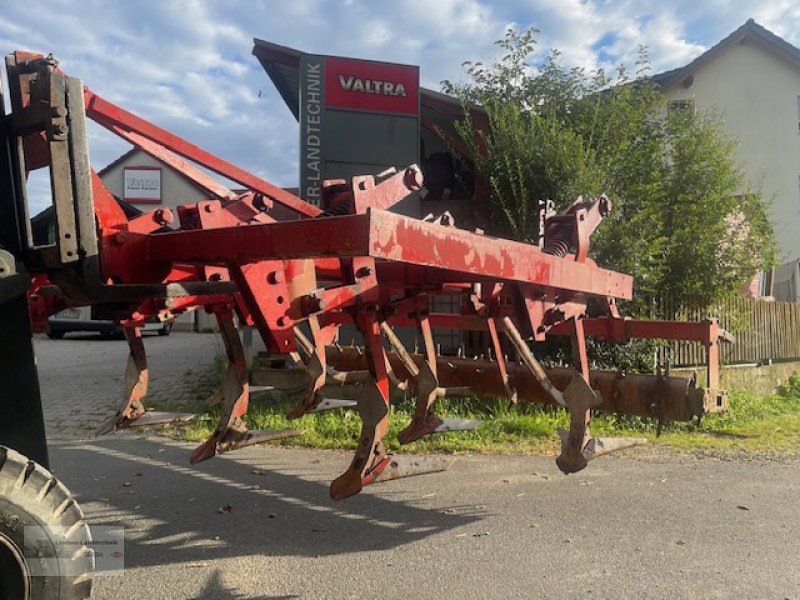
(580, 399)
(400, 385)
(491, 325)
(231, 432)
(425, 385)
(427, 389)
(132, 413)
(135, 386)
(373, 406)
(305, 344)
(235, 393)
(313, 401)
(408, 466)
(530, 361)
(333, 404)
(315, 365)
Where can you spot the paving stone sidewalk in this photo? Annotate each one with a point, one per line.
(81, 376)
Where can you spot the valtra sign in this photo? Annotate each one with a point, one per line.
(357, 117)
(364, 85)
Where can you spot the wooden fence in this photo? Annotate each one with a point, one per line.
(763, 331)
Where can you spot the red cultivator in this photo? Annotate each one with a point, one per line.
(299, 281)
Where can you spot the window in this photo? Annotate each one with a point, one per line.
(686, 106)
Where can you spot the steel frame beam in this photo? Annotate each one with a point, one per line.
(384, 235)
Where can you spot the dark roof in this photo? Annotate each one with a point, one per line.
(117, 161)
(749, 31)
(282, 64)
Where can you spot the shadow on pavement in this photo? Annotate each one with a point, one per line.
(215, 589)
(173, 512)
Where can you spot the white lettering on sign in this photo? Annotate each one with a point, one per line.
(142, 184)
(351, 83)
(313, 171)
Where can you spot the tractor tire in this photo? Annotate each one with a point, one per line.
(57, 566)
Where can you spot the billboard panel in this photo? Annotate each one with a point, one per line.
(356, 117)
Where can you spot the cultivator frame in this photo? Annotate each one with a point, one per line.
(299, 281)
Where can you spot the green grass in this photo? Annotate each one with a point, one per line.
(753, 424)
(505, 430)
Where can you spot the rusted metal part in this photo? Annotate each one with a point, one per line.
(135, 386)
(530, 361)
(407, 465)
(571, 231)
(675, 398)
(373, 407)
(316, 365)
(384, 235)
(426, 388)
(394, 237)
(387, 193)
(580, 399)
(512, 394)
(424, 382)
(622, 329)
(266, 295)
(231, 428)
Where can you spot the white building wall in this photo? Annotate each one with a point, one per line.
(757, 93)
(175, 190)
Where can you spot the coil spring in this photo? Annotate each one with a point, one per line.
(561, 242)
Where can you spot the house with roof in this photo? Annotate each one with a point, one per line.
(752, 78)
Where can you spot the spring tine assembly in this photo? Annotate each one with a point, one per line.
(232, 432)
(315, 365)
(530, 361)
(427, 389)
(133, 413)
(580, 399)
(373, 407)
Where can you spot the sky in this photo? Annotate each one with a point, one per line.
(187, 66)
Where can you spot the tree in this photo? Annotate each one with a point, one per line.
(686, 222)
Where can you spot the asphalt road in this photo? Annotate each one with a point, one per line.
(645, 525)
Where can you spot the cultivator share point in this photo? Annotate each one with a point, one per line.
(350, 263)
